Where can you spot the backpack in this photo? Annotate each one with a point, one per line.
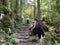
(39, 24)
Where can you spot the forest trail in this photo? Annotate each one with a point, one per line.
(24, 37)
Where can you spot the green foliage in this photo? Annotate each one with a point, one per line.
(1, 31)
(5, 9)
(6, 23)
(51, 39)
(45, 28)
(56, 5)
(51, 13)
(11, 40)
(2, 44)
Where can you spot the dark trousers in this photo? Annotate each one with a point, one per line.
(27, 22)
(39, 32)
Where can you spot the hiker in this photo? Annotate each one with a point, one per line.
(27, 21)
(37, 29)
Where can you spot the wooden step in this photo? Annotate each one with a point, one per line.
(19, 34)
(23, 31)
(24, 40)
(23, 37)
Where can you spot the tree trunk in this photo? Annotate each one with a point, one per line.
(34, 11)
(38, 9)
(20, 11)
(16, 9)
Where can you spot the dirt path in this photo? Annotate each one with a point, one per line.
(24, 37)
